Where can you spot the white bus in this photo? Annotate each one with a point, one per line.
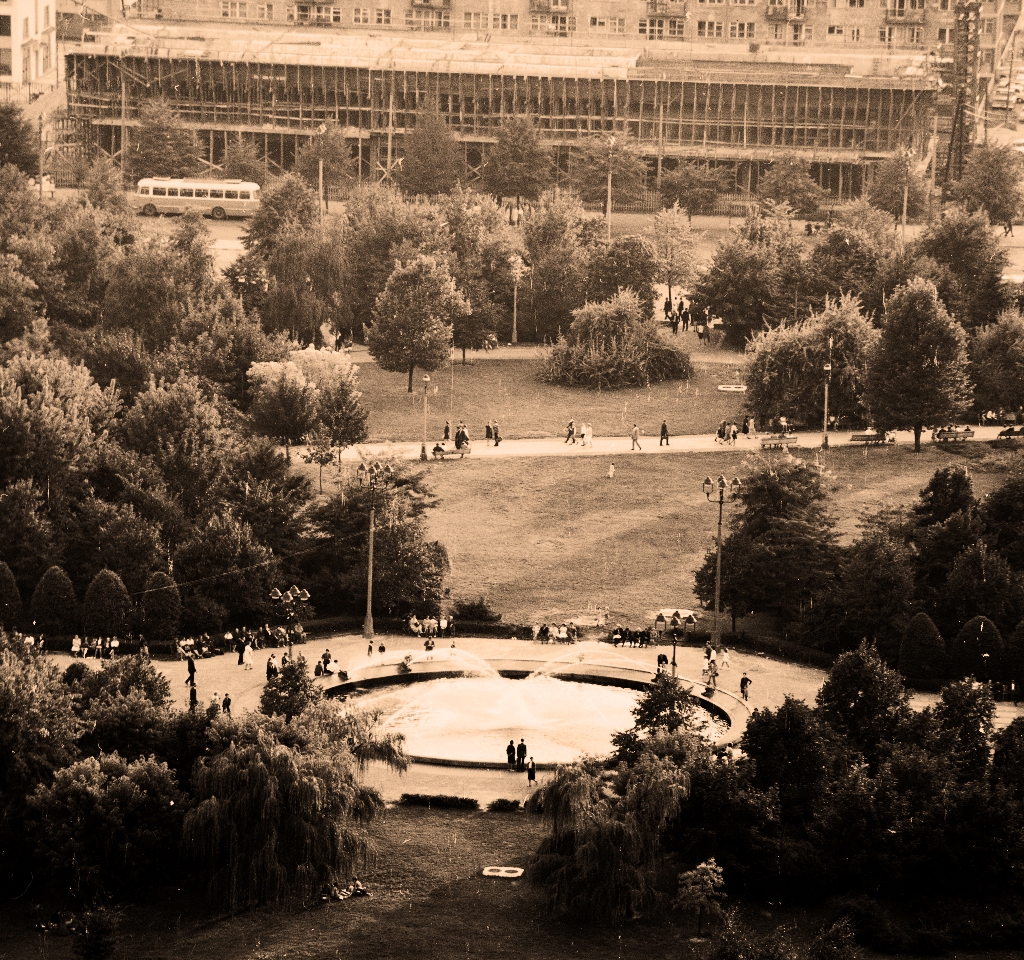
(219, 199)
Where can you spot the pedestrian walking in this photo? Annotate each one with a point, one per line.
(226, 705)
(668, 307)
(447, 430)
(247, 655)
(570, 432)
(488, 432)
(510, 753)
(531, 772)
(191, 662)
(634, 435)
(497, 434)
(611, 471)
(664, 433)
(745, 683)
(272, 670)
(381, 648)
(521, 756)
(725, 657)
(193, 700)
(369, 649)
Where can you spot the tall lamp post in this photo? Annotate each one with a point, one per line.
(423, 449)
(378, 477)
(517, 267)
(721, 486)
(828, 380)
(290, 602)
(608, 211)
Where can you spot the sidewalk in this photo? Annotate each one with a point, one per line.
(620, 446)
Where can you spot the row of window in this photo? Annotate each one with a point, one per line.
(5, 24)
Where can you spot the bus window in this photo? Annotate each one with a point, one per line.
(216, 194)
(243, 194)
(159, 191)
(230, 194)
(172, 191)
(202, 192)
(143, 191)
(186, 192)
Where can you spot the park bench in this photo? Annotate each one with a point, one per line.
(947, 434)
(778, 441)
(873, 436)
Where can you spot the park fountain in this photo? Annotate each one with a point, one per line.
(457, 708)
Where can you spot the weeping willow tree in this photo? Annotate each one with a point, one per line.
(602, 859)
(275, 819)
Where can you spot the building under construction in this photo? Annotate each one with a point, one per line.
(724, 106)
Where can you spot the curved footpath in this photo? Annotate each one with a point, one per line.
(806, 442)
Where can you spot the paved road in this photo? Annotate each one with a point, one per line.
(620, 446)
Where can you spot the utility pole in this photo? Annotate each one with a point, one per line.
(608, 209)
(124, 128)
(42, 154)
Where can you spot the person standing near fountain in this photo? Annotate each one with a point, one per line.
(510, 752)
(521, 756)
(531, 772)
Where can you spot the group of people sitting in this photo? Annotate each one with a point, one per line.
(462, 444)
(100, 648)
(354, 889)
(635, 638)
(563, 633)
(327, 666)
(432, 626)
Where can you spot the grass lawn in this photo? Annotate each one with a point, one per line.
(509, 391)
(544, 538)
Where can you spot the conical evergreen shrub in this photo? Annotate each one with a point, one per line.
(107, 606)
(978, 651)
(922, 652)
(10, 599)
(54, 607)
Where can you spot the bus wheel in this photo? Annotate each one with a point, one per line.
(219, 214)
(149, 210)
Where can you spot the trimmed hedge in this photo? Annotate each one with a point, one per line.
(503, 806)
(439, 800)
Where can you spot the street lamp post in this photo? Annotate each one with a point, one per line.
(518, 268)
(733, 488)
(378, 478)
(608, 210)
(828, 380)
(423, 449)
(289, 601)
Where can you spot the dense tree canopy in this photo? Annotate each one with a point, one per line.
(518, 165)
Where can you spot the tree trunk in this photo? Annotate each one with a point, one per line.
(918, 427)
(412, 366)
(463, 356)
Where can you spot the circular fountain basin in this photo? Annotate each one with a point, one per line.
(456, 708)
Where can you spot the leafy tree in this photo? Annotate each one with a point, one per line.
(19, 142)
(694, 187)
(95, 936)
(701, 892)
(674, 248)
(283, 401)
(964, 714)
(923, 651)
(27, 536)
(997, 363)
(788, 180)
(982, 583)
(331, 147)
(963, 244)
(782, 553)
(936, 550)
(592, 161)
(159, 145)
(161, 607)
(1003, 515)
(949, 491)
(614, 344)
(54, 609)
(665, 703)
(895, 178)
(226, 575)
(1008, 757)
(107, 607)
(413, 317)
(627, 263)
(38, 735)
(432, 159)
(518, 165)
(286, 204)
(320, 449)
(104, 187)
(864, 700)
(271, 821)
(918, 372)
(18, 306)
(10, 599)
(105, 824)
(242, 161)
(786, 372)
(290, 692)
(992, 181)
(560, 242)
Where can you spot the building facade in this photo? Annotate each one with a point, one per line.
(28, 47)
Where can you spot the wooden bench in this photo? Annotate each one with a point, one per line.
(872, 436)
(956, 434)
(778, 441)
